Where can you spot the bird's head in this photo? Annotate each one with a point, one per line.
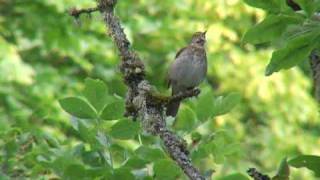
(199, 38)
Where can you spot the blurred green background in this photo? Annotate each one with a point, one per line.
(45, 55)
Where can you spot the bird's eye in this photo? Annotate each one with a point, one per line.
(200, 40)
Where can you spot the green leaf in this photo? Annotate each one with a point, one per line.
(204, 105)
(309, 6)
(202, 151)
(186, 119)
(166, 170)
(61, 163)
(235, 176)
(262, 4)
(222, 146)
(96, 93)
(93, 158)
(102, 139)
(99, 172)
(271, 28)
(114, 110)
(87, 132)
(149, 154)
(77, 107)
(125, 129)
(74, 171)
(122, 174)
(283, 171)
(222, 105)
(51, 140)
(269, 5)
(135, 163)
(308, 161)
(232, 149)
(118, 153)
(297, 50)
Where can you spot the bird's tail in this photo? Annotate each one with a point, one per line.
(172, 108)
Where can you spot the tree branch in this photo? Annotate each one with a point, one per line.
(184, 95)
(139, 103)
(315, 68)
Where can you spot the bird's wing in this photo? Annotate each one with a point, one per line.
(168, 83)
(168, 76)
(180, 51)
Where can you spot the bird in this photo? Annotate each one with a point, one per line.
(188, 69)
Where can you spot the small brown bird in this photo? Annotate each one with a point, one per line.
(188, 70)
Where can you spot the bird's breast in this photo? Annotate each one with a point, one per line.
(190, 68)
(194, 72)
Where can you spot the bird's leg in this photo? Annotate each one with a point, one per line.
(195, 90)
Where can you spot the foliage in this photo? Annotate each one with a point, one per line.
(240, 119)
(295, 34)
(308, 161)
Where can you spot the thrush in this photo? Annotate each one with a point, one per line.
(188, 70)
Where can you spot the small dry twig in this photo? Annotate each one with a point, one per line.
(256, 175)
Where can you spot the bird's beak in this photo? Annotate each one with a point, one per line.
(205, 32)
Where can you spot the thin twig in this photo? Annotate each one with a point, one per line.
(77, 12)
(256, 175)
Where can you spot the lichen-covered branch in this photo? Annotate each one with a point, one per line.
(139, 100)
(315, 68)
